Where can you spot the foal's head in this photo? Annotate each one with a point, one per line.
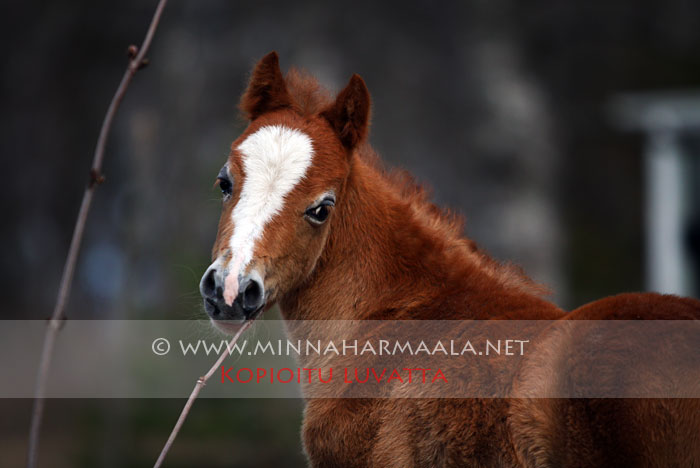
(280, 184)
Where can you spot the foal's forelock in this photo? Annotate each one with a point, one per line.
(274, 159)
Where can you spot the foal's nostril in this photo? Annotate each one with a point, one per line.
(209, 288)
(252, 295)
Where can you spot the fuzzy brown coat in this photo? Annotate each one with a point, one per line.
(387, 253)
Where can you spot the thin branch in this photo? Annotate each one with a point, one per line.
(195, 392)
(137, 60)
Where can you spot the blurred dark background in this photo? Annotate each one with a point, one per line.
(502, 106)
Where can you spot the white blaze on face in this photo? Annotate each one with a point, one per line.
(275, 158)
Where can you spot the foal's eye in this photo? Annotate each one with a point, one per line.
(318, 214)
(225, 184)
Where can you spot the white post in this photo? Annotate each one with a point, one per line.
(664, 116)
(666, 265)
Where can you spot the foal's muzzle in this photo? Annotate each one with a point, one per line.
(250, 299)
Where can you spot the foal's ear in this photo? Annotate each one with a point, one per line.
(349, 114)
(267, 90)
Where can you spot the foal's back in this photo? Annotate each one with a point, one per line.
(608, 432)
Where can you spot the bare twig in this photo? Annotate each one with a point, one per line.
(137, 60)
(195, 392)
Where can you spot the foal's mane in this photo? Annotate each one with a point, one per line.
(310, 98)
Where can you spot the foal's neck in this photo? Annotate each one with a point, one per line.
(386, 259)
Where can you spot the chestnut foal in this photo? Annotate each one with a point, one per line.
(311, 222)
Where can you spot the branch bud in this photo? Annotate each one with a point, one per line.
(131, 51)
